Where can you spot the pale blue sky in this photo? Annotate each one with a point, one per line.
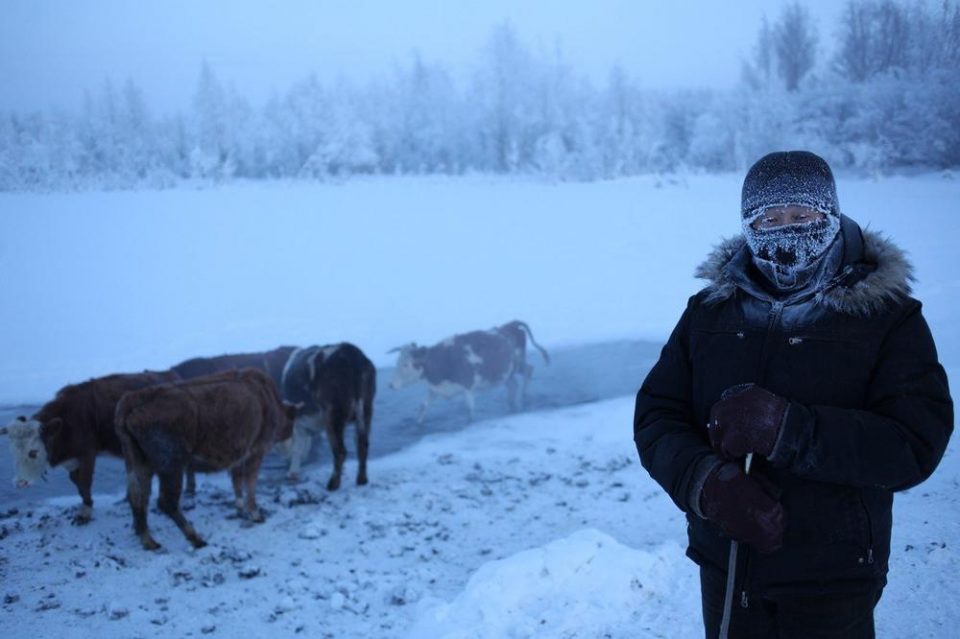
(51, 50)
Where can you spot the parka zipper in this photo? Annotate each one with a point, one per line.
(776, 309)
(866, 511)
(773, 318)
(744, 597)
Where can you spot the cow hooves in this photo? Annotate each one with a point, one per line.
(293, 478)
(362, 481)
(333, 484)
(81, 519)
(149, 543)
(198, 543)
(256, 517)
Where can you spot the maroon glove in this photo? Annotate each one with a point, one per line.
(742, 509)
(747, 419)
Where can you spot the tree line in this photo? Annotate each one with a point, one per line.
(885, 96)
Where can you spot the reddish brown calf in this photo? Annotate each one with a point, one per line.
(219, 422)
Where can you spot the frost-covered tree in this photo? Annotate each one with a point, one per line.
(757, 72)
(795, 45)
(501, 95)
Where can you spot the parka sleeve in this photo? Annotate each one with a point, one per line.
(670, 444)
(899, 438)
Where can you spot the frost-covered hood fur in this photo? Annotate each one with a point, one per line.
(875, 272)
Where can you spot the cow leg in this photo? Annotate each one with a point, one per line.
(431, 397)
(511, 384)
(524, 382)
(335, 425)
(171, 486)
(139, 479)
(251, 468)
(468, 398)
(236, 478)
(363, 441)
(191, 481)
(299, 448)
(82, 477)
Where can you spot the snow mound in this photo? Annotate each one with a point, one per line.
(585, 585)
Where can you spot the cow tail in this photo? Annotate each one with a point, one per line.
(543, 351)
(133, 454)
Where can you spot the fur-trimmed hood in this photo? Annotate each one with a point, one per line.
(875, 272)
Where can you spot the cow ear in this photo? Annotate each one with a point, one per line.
(21, 418)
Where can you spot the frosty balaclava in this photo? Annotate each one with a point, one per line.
(790, 255)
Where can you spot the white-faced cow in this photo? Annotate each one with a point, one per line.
(465, 363)
(336, 385)
(71, 430)
(226, 421)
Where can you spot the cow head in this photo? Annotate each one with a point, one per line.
(290, 412)
(409, 368)
(29, 452)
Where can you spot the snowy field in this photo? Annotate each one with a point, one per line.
(541, 524)
(98, 282)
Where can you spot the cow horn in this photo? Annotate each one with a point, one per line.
(402, 348)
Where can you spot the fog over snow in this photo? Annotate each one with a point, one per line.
(541, 524)
(51, 52)
(107, 282)
(386, 172)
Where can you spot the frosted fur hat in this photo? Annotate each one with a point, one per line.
(789, 177)
(791, 255)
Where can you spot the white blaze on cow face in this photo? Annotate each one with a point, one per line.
(407, 372)
(29, 453)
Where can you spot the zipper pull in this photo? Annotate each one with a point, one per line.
(744, 600)
(869, 555)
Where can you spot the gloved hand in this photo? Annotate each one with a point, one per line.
(741, 508)
(747, 419)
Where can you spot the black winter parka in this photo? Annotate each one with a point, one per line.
(870, 411)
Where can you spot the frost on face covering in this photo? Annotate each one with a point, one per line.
(788, 255)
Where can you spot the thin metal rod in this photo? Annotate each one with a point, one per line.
(732, 572)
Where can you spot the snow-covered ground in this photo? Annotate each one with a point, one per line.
(541, 524)
(538, 525)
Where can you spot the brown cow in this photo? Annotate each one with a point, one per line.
(218, 422)
(72, 429)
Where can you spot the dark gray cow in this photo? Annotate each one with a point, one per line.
(270, 362)
(335, 385)
(465, 363)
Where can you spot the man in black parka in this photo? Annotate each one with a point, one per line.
(806, 354)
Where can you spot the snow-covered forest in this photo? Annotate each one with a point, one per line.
(877, 91)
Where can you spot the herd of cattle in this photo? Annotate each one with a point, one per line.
(212, 414)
